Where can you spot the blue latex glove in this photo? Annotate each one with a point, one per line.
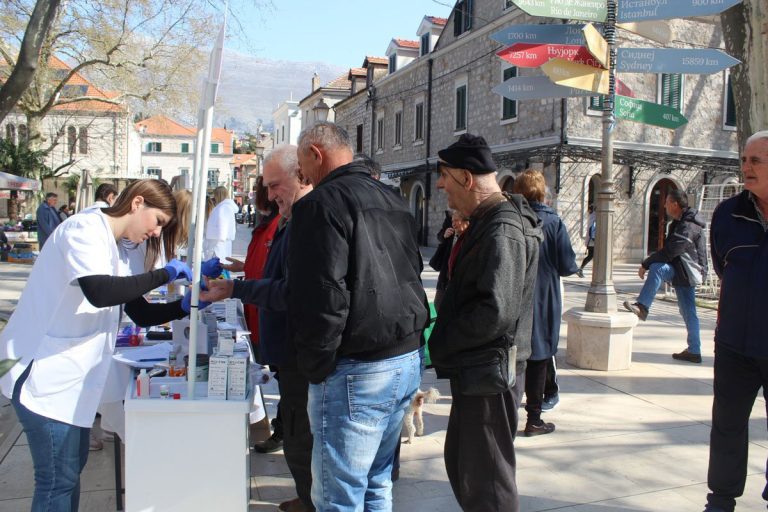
(186, 302)
(212, 268)
(178, 270)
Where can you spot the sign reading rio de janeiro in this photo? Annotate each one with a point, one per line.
(589, 10)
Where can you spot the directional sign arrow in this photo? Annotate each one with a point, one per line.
(673, 60)
(589, 10)
(580, 76)
(555, 34)
(658, 31)
(534, 55)
(648, 113)
(596, 45)
(534, 88)
(634, 10)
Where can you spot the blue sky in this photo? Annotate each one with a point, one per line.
(340, 32)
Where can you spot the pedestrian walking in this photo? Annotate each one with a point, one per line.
(47, 218)
(589, 240)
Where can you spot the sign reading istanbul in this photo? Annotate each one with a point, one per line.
(534, 55)
(535, 88)
(589, 10)
(673, 60)
(648, 113)
(637, 10)
(540, 34)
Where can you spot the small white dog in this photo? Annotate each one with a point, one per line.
(413, 420)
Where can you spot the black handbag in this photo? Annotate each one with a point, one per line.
(488, 371)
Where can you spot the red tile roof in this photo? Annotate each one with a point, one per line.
(241, 158)
(405, 43)
(437, 21)
(77, 86)
(163, 126)
(340, 82)
(375, 60)
(357, 72)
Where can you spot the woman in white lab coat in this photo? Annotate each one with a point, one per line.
(65, 326)
(221, 228)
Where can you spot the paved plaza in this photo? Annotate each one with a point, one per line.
(634, 440)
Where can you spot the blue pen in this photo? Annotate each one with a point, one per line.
(152, 359)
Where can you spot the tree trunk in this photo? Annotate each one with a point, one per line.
(746, 38)
(13, 206)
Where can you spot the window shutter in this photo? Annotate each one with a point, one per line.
(730, 104)
(468, 14)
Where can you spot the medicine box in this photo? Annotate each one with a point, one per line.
(217, 377)
(237, 377)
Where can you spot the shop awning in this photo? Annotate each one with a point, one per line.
(12, 182)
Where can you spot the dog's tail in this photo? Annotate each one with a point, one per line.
(431, 395)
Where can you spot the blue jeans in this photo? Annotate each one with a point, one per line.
(686, 301)
(59, 453)
(356, 415)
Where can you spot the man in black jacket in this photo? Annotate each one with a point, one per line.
(683, 262)
(487, 306)
(357, 310)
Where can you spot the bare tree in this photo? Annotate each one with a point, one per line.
(747, 40)
(29, 54)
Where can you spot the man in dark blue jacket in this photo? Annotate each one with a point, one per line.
(683, 262)
(47, 218)
(270, 294)
(739, 243)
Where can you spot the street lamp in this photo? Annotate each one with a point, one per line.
(321, 110)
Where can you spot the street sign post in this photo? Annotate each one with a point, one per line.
(540, 34)
(588, 10)
(632, 10)
(580, 76)
(535, 88)
(673, 60)
(646, 112)
(658, 31)
(526, 55)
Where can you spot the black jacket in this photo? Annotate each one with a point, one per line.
(354, 287)
(489, 298)
(684, 240)
(740, 258)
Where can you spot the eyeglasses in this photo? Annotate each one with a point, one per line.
(442, 169)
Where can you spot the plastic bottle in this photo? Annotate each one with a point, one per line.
(172, 364)
(142, 384)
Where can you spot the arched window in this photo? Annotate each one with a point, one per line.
(23, 135)
(10, 133)
(83, 140)
(71, 139)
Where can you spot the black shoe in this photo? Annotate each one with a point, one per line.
(272, 444)
(580, 273)
(550, 402)
(638, 309)
(687, 356)
(537, 429)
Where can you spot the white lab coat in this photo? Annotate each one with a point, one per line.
(220, 231)
(68, 341)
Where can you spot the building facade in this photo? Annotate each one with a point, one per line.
(287, 123)
(426, 104)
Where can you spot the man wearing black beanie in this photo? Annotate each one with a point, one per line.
(481, 339)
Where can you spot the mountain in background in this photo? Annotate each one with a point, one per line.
(251, 88)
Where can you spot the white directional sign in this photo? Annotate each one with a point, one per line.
(540, 34)
(534, 88)
(639, 10)
(673, 60)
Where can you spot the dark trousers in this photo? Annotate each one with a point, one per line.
(588, 257)
(297, 437)
(550, 385)
(535, 380)
(737, 381)
(480, 451)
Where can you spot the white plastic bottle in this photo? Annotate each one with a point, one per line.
(142, 384)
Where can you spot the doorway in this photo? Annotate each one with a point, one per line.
(657, 217)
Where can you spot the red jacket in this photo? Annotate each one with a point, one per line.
(255, 259)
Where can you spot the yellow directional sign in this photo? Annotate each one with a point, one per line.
(579, 76)
(597, 45)
(658, 31)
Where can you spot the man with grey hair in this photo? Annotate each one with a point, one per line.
(269, 294)
(357, 312)
(739, 246)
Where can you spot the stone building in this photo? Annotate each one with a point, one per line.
(403, 119)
